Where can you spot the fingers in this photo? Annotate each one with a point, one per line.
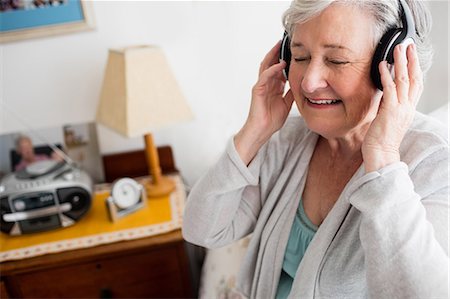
(389, 87)
(401, 73)
(273, 72)
(415, 74)
(408, 83)
(270, 58)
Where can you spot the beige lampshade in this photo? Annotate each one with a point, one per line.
(140, 93)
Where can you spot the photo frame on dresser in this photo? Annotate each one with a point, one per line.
(25, 19)
(78, 141)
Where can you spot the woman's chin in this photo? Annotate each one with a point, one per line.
(326, 129)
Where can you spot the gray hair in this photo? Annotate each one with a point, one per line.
(385, 15)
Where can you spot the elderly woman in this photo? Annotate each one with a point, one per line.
(350, 200)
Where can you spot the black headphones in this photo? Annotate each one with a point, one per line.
(384, 49)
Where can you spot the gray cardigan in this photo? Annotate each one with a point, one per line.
(386, 236)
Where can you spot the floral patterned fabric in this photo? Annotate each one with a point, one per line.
(220, 270)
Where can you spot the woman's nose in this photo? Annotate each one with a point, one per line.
(314, 78)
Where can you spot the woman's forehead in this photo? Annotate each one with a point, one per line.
(340, 27)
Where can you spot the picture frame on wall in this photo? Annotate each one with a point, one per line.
(26, 19)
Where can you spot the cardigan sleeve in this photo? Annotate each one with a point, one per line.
(224, 204)
(404, 228)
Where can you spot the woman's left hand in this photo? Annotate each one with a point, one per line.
(396, 111)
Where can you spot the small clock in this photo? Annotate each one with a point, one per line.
(127, 196)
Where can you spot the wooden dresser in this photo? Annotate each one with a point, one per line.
(150, 267)
(154, 267)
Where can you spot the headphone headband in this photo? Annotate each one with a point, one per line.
(407, 19)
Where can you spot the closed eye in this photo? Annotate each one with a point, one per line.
(299, 59)
(338, 62)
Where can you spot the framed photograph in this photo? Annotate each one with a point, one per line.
(78, 142)
(24, 19)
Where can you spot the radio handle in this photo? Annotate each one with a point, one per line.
(19, 216)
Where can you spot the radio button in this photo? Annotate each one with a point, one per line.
(19, 205)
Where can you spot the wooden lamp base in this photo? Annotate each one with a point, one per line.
(164, 187)
(160, 185)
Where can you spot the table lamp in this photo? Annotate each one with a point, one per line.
(140, 94)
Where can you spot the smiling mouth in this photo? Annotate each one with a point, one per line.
(323, 102)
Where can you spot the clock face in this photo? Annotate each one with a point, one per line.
(126, 192)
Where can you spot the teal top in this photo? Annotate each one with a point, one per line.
(302, 232)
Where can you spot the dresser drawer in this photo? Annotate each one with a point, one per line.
(157, 273)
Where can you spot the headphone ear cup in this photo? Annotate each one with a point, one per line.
(285, 53)
(384, 51)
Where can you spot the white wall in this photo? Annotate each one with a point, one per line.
(214, 49)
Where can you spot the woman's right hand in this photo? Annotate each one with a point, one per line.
(268, 109)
